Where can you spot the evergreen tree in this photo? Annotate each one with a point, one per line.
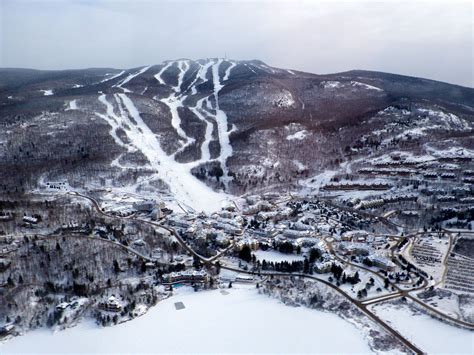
(245, 253)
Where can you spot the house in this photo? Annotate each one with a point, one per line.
(7, 329)
(30, 219)
(111, 305)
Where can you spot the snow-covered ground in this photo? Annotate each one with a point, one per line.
(298, 135)
(431, 335)
(47, 92)
(183, 185)
(72, 105)
(238, 320)
(274, 256)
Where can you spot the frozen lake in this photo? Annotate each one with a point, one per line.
(431, 335)
(240, 321)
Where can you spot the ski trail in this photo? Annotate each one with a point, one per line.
(175, 101)
(113, 77)
(183, 67)
(183, 185)
(114, 122)
(160, 73)
(266, 67)
(250, 69)
(200, 75)
(130, 77)
(205, 153)
(227, 72)
(222, 128)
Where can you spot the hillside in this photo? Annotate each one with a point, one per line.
(196, 131)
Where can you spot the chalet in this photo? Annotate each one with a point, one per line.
(111, 305)
(30, 219)
(7, 329)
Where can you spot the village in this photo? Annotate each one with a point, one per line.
(398, 230)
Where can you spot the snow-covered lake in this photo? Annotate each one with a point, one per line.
(431, 335)
(275, 256)
(241, 321)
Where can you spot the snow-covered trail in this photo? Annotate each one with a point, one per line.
(182, 184)
(222, 125)
(228, 70)
(112, 77)
(203, 109)
(205, 153)
(175, 101)
(160, 73)
(130, 77)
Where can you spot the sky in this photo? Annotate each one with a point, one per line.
(423, 38)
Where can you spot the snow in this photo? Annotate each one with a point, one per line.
(315, 183)
(332, 84)
(47, 92)
(197, 110)
(298, 135)
(222, 126)
(113, 77)
(450, 120)
(274, 256)
(239, 320)
(290, 71)
(284, 99)
(299, 165)
(72, 105)
(158, 75)
(451, 152)
(227, 72)
(249, 68)
(183, 185)
(130, 77)
(430, 334)
(365, 86)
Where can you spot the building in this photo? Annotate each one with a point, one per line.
(30, 219)
(382, 263)
(186, 276)
(111, 305)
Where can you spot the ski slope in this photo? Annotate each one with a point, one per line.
(122, 114)
(182, 184)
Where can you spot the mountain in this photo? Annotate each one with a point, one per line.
(198, 131)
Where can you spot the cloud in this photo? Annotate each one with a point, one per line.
(420, 38)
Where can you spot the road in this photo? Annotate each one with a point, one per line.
(361, 305)
(211, 261)
(358, 304)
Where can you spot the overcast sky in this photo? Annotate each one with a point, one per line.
(421, 38)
